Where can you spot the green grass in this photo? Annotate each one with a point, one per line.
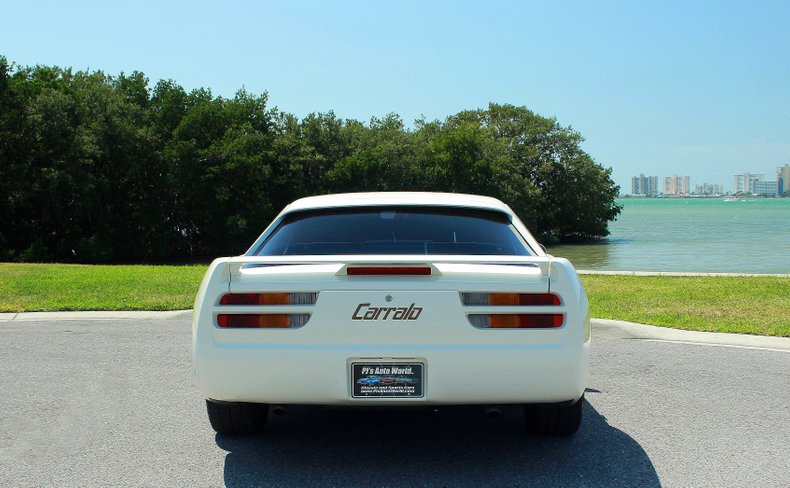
(749, 305)
(745, 305)
(56, 287)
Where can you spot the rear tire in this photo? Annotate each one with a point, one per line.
(554, 419)
(237, 418)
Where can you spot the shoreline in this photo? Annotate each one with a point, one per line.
(680, 273)
(696, 235)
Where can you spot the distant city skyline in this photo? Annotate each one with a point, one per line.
(747, 182)
(698, 88)
(726, 181)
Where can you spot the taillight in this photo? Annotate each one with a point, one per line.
(268, 299)
(512, 299)
(517, 321)
(522, 319)
(388, 270)
(262, 321)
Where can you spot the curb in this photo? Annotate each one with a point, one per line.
(93, 315)
(619, 329)
(602, 328)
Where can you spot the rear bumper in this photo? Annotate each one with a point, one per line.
(454, 373)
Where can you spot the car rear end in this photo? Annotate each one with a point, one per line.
(392, 329)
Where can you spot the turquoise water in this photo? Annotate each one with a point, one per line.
(695, 235)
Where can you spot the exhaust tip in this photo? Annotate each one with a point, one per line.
(278, 410)
(493, 412)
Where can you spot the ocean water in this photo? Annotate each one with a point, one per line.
(692, 235)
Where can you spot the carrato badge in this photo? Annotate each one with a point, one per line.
(365, 312)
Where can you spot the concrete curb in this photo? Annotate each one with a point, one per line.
(618, 329)
(93, 315)
(602, 328)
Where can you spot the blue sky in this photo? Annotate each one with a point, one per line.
(690, 88)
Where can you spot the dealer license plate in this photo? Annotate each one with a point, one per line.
(387, 380)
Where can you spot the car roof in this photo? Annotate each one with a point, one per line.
(397, 198)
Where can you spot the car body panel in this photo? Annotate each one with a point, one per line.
(462, 364)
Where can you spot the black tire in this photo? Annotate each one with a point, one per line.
(236, 418)
(554, 419)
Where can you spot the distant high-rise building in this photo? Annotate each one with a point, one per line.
(652, 186)
(747, 182)
(644, 185)
(676, 185)
(708, 189)
(783, 179)
(767, 188)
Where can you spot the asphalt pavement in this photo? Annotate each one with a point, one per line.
(100, 401)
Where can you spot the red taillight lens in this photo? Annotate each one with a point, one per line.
(388, 270)
(526, 321)
(510, 299)
(255, 299)
(534, 299)
(268, 299)
(517, 321)
(261, 321)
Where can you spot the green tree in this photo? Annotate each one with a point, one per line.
(556, 188)
(101, 168)
(385, 157)
(220, 158)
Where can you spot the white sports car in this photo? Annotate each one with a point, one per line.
(392, 299)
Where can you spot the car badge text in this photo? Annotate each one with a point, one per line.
(365, 312)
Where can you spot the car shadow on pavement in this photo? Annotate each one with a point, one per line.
(451, 446)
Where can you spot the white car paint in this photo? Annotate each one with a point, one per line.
(462, 364)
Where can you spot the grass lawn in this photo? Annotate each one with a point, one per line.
(753, 305)
(55, 287)
(748, 305)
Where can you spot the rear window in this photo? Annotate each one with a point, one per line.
(394, 230)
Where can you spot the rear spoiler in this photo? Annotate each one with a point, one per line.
(235, 264)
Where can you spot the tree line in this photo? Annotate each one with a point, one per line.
(100, 168)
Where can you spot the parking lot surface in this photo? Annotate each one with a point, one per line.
(113, 403)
